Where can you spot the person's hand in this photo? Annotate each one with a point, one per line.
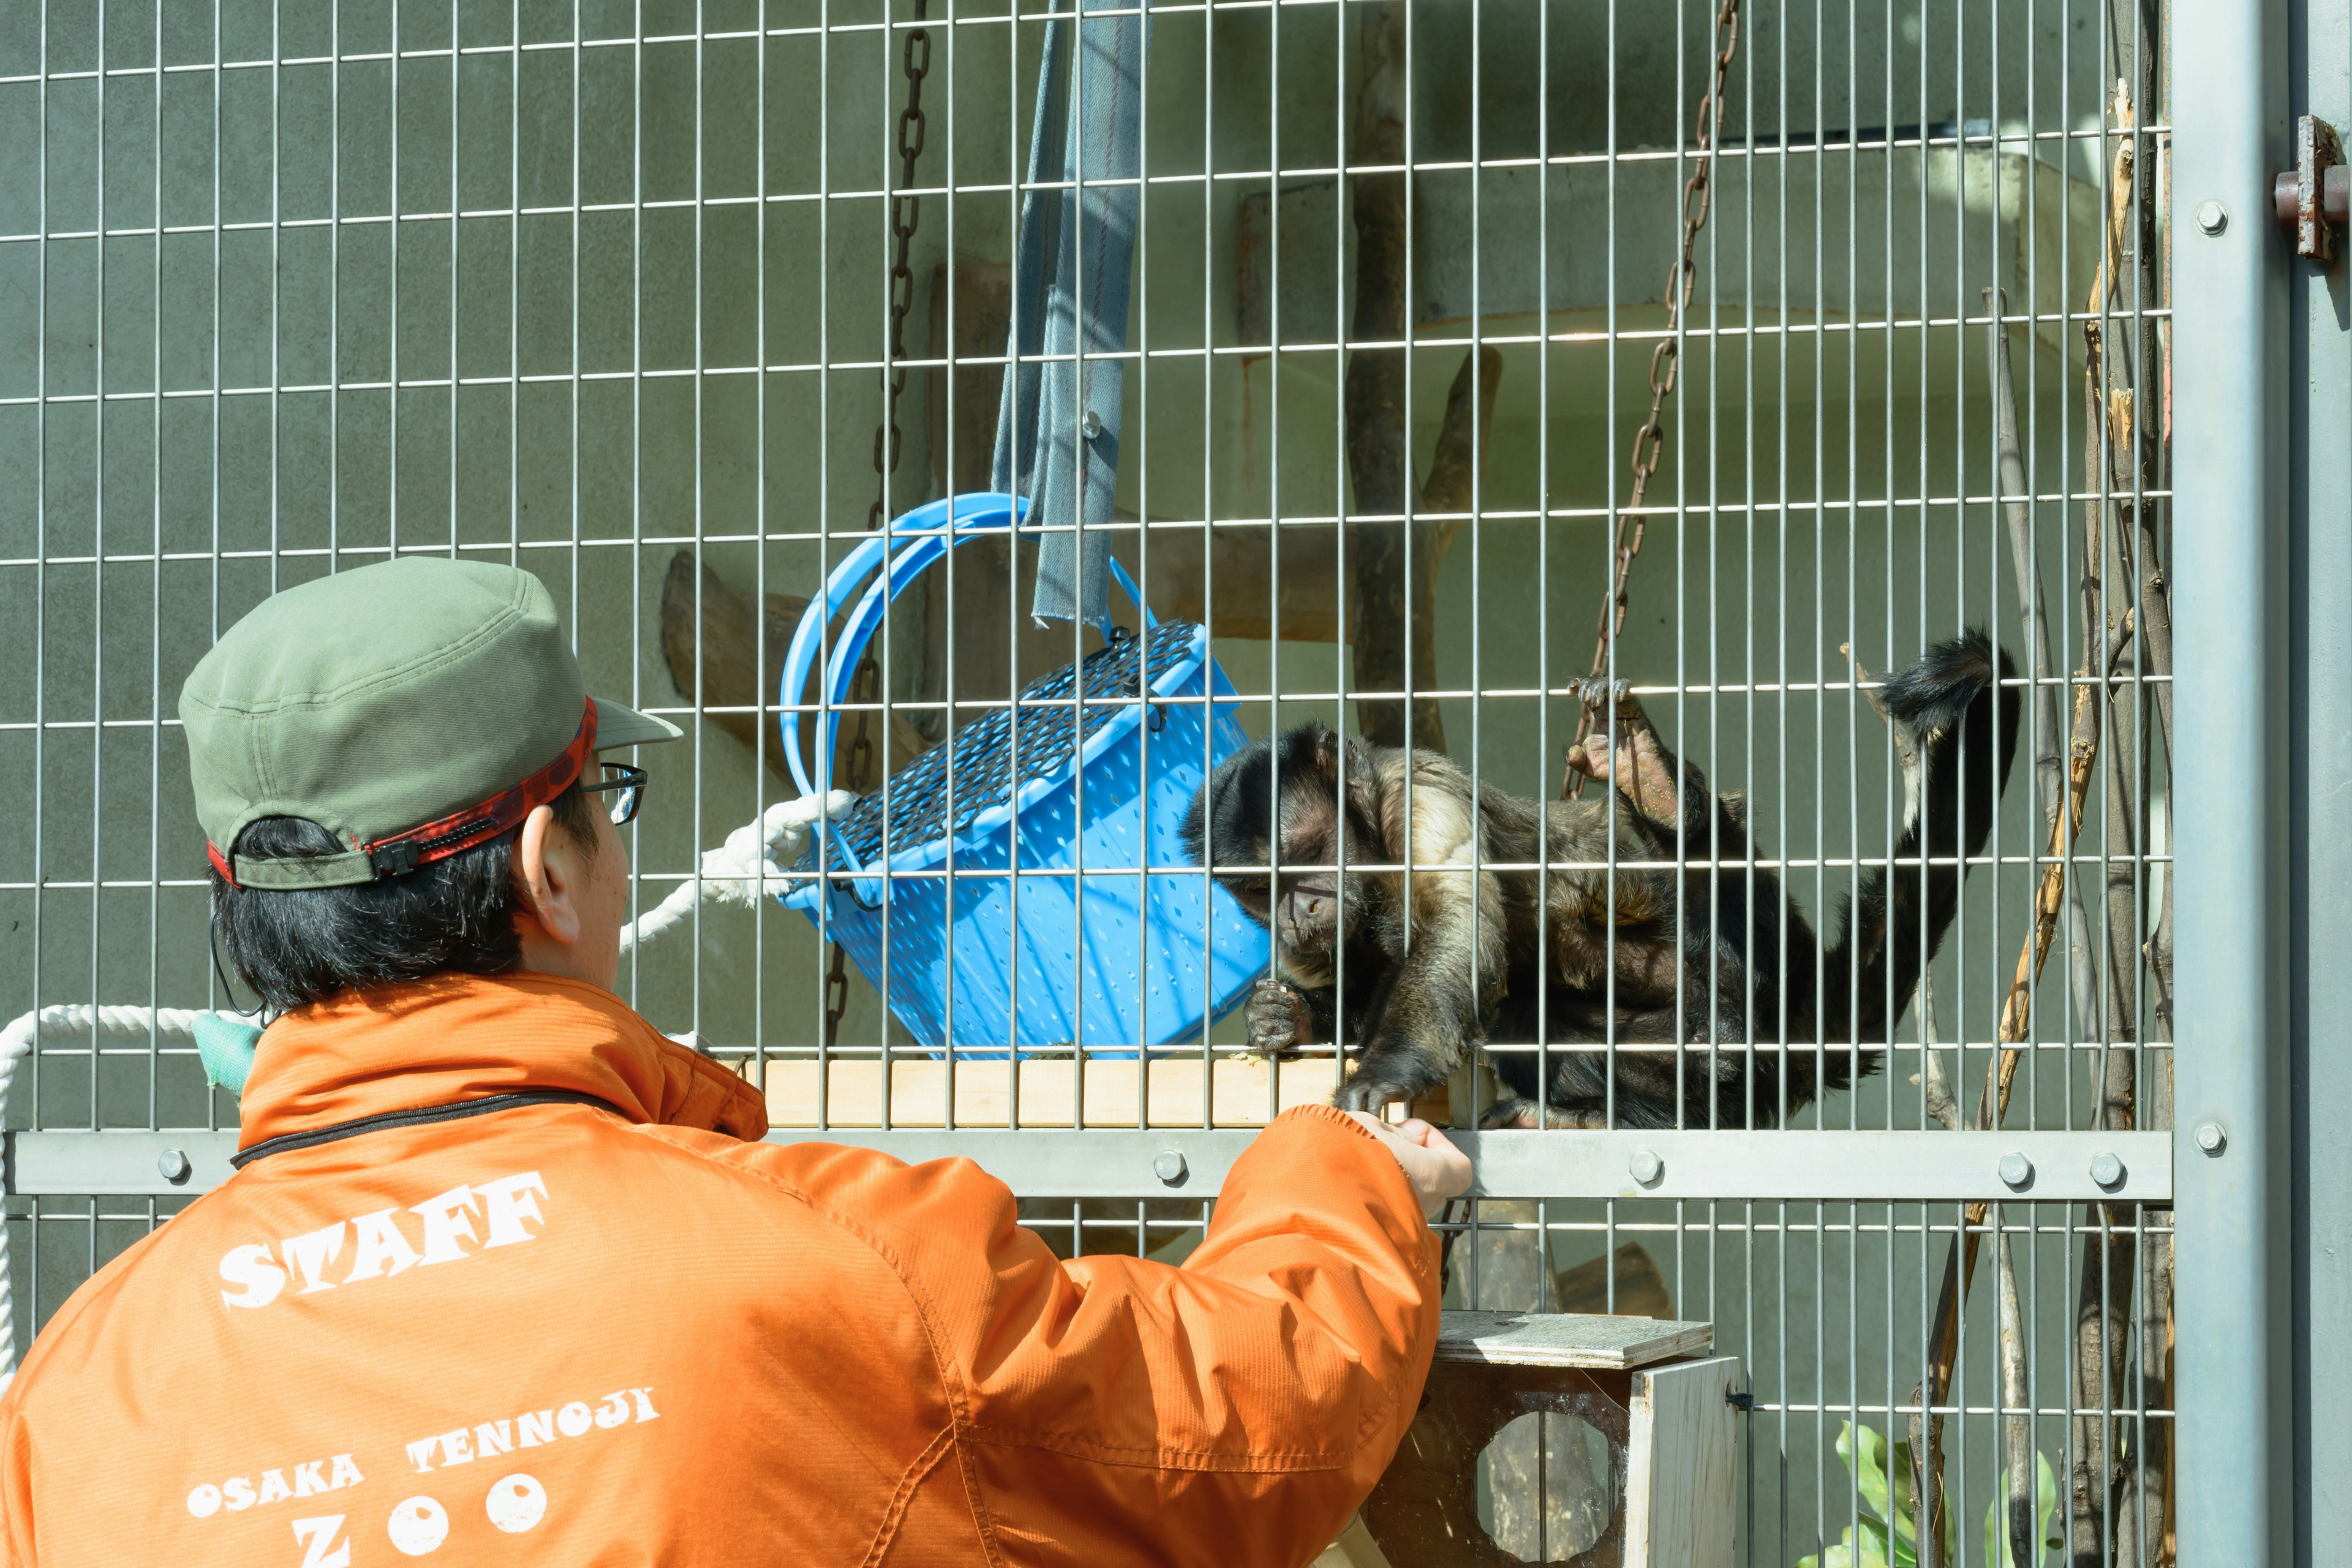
(1435, 1168)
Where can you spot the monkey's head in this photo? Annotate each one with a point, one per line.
(1303, 804)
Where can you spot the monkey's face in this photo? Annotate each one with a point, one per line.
(1290, 879)
(1276, 814)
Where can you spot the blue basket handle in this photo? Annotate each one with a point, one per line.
(1135, 597)
(908, 565)
(938, 526)
(970, 516)
(961, 518)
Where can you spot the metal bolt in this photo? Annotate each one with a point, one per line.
(1170, 1167)
(2016, 1170)
(174, 1165)
(2107, 1170)
(1091, 425)
(2211, 1138)
(2212, 216)
(1646, 1167)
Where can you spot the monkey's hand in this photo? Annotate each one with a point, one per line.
(1279, 1017)
(1516, 1114)
(1371, 1090)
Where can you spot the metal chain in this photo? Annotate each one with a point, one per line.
(1650, 440)
(906, 209)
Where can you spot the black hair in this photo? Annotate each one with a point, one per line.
(299, 945)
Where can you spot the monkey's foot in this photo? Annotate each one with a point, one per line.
(1521, 1115)
(1638, 767)
(1600, 694)
(1278, 1018)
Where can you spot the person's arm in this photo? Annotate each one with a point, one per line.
(1233, 1411)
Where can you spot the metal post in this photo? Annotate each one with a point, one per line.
(2231, 1144)
(2319, 512)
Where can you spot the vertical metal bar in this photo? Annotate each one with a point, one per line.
(571, 418)
(32, 1296)
(1142, 428)
(391, 338)
(2230, 536)
(457, 161)
(1274, 481)
(878, 723)
(2320, 503)
(761, 700)
(637, 429)
(514, 289)
(97, 560)
(1016, 167)
(156, 593)
(759, 609)
(822, 756)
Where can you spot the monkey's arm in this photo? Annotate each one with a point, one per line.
(1285, 1011)
(1444, 985)
(1651, 783)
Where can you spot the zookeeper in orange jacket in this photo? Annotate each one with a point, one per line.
(506, 1277)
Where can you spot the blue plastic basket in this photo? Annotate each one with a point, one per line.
(1110, 752)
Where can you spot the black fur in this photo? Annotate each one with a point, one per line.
(1459, 956)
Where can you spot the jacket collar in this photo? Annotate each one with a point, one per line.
(461, 1036)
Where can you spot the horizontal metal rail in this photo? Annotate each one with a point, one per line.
(1130, 1163)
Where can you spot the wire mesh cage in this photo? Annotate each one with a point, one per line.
(1794, 340)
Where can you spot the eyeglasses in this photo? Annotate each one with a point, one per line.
(628, 787)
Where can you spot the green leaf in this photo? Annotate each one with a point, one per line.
(1871, 1554)
(1864, 1453)
(2045, 1504)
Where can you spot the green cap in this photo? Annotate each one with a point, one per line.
(412, 708)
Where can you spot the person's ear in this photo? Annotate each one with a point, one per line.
(547, 877)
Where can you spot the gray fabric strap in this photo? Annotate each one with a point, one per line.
(1057, 430)
(283, 873)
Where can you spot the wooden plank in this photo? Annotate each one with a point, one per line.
(1567, 1339)
(1237, 1093)
(1682, 1441)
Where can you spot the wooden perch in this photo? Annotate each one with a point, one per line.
(1302, 566)
(733, 676)
(1305, 570)
(1396, 562)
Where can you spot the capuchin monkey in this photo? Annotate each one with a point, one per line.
(1708, 953)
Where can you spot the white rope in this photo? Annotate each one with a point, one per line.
(72, 1020)
(737, 873)
(742, 870)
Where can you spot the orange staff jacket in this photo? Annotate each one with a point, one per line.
(513, 1281)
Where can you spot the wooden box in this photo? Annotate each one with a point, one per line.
(1663, 1405)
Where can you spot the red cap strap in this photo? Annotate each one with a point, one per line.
(401, 852)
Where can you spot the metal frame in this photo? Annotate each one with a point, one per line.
(2231, 396)
(1120, 1162)
(1708, 1195)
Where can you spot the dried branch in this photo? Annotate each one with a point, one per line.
(2081, 967)
(1461, 452)
(2017, 1411)
(1395, 561)
(2016, 1020)
(1935, 1088)
(713, 652)
(2106, 1500)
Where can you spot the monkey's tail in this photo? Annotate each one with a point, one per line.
(1956, 723)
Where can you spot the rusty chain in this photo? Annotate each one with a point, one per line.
(906, 209)
(1650, 440)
